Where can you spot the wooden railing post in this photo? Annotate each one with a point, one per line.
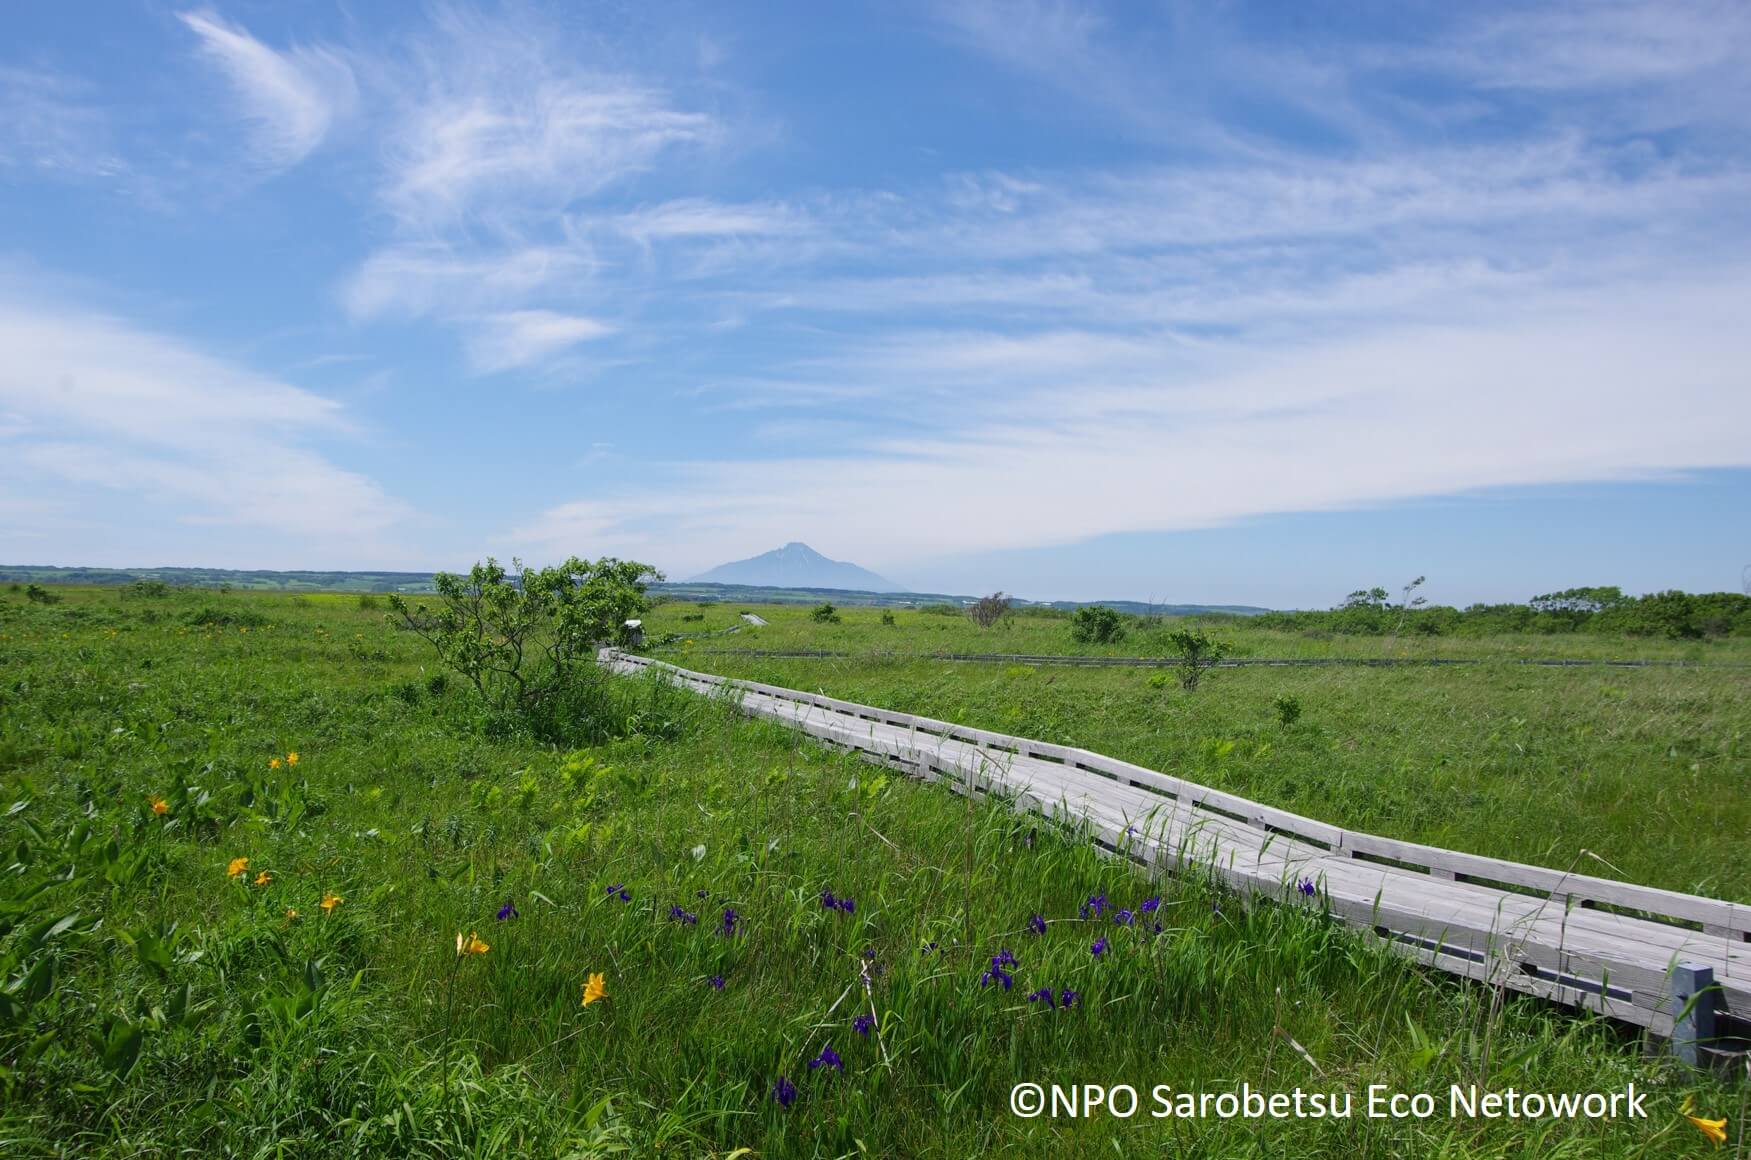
(1694, 999)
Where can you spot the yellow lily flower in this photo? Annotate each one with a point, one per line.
(595, 988)
(470, 944)
(160, 806)
(263, 878)
(330, 901)
(273, 763)
(1715, 1130)
(237, 868)
(292, 758)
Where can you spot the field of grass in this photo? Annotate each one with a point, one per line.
(861, 630)
(151, 1002)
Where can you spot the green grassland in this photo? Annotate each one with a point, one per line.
(1648, 769)
(1036, 632)
(151, 1004)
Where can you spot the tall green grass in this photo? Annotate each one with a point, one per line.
(185, 1011)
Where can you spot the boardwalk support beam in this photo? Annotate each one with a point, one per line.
(1694, 999)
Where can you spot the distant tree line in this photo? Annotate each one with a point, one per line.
(1672, 615)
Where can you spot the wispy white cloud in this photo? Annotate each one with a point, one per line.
(99, 404)
(53, 127)
(519, 338)
(291, 99)
(1355, 421)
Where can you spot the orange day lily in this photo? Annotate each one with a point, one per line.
(160, 806)
(263, 878)
(330, 901)
(273, 763)
(595, 988)
(470, 944)
(237, 868)
(292, 758)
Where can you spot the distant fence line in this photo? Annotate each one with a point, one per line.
(1233, 663)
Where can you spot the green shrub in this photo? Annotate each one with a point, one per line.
(37, 594)
(824, 614)
(888, 619)
(528, 646)
(1198, 654)
(1097, 624)
(1288, 709)
(208, 616)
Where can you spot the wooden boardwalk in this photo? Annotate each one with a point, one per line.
(1627, 951)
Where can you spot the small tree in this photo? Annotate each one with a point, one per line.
(825, 614)
(988, 610)
(1197, 655)
(527, 644)
(1097, 624)
(1288, 709)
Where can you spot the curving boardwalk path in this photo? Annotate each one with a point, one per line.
(1631, 952)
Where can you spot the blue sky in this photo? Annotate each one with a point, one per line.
(1239, 303)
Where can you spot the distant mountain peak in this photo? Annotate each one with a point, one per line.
(796, 565)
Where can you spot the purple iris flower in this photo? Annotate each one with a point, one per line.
(1307, 888)
(1067, 998)
(717, 982)
(1043, 995)
(508, 910)
(619, 888)
(828, 902)
(1003, 959)
(1099, 948)
(1151, 904)
(927, 948)
(728, 925)
(699, 894)
(784, 1092)
(863, 1025)
(684, 917)
(869, 954)
(827, 1058)
(1124, 918)
(847, 905)
(1037, 924)
(1096, 904)
(997, 975)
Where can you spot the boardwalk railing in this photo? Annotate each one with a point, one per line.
(1677, 964)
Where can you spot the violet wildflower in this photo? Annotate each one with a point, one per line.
(863, 1025)
(784, 1092)
(508, 910)
(1037, 924)
(869, 954)
(927, 948)
(1003, 959)
(717, 982)
(1096, 904)
(828, 902)
(1124, 918)
(1151, 904)
(1099, 948)
(1067, 998)
(684, 917)
(619, 888)
(699, 894)
(827, 1058)
(1043, 995)
(728, 925)
(1307, 888)
(847, 905)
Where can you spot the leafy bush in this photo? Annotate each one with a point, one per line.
(146, 590)
(369, 602)
(888, 619)
(1288, 709)
(988, 610)
(940, 609)
(528, 646)
(1097, 624)
(825, 614)
(1197, 655)
(37, 594)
